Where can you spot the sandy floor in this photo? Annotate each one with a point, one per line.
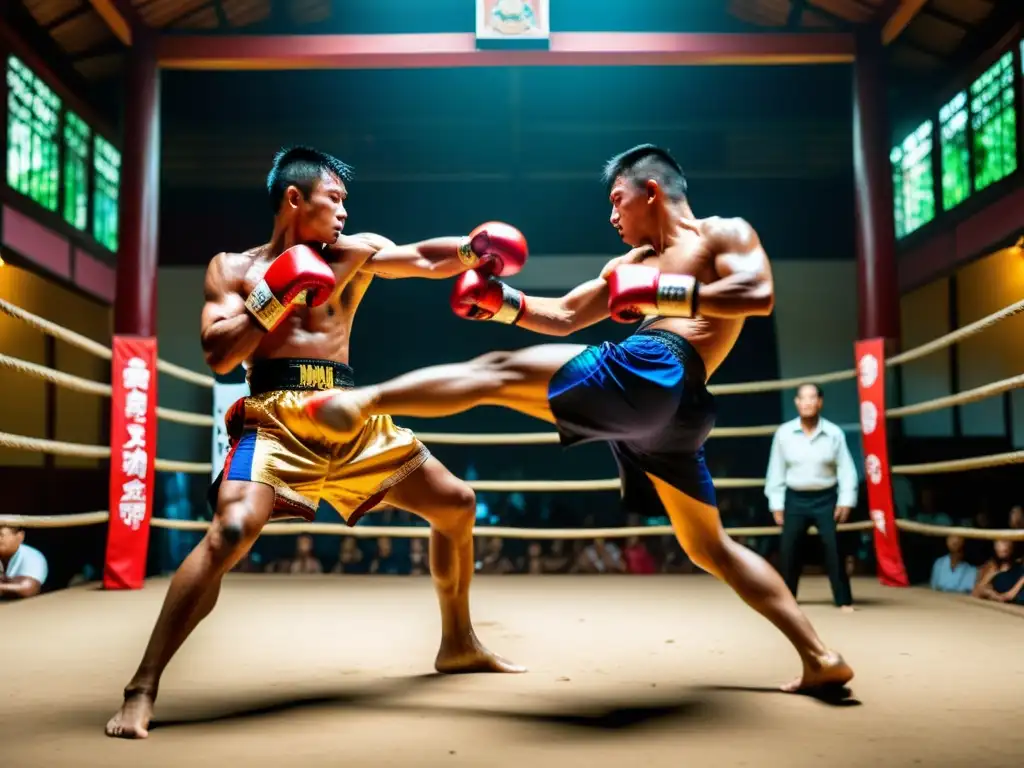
(634, 671)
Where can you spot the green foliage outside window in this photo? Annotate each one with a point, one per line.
(107, 166)
(33, 114)
(994, 120)
(913, 181)
(76, 170)
(956, 156)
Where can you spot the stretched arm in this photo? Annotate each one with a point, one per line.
(745, 285)
(229, 333)
(19, 587)
(436, 259)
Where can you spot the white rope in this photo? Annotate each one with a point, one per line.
(95, 348)
(954, 337)
(55, 521)
(61, 379)
(961, 465)
(967, 396)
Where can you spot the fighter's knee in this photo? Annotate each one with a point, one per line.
(235, 526)
(711, 555)
(492, 361)
(459, 509)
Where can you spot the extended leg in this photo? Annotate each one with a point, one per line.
(242, 511)
(449, 505)
(701, 535)
(517, 380)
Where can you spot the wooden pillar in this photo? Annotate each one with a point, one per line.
(878, 286)
(138, 196)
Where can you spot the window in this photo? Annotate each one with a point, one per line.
(107, 164)
(913, 182)
(956, 156)
(32, 119)
(995, 123)
(76, 171)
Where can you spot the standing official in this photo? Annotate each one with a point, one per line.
(811, 480)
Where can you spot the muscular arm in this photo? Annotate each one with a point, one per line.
(745, 285)
(229, 333)
(435, 259)
(19, 587)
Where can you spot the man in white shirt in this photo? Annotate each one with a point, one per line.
(811, 480)
(23, 569)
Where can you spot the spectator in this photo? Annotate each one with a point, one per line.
(1017, 518)
(418, 565)
(811, 480)
(556, 560)
(1002, 561)
(305, 562)
(350, 557)
(638, 557)
(387, 561)
(23, 569)
(533, 563)
(494, 559)
(601, 557)
(951, 573)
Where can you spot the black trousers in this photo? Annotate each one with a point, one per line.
(804, 509)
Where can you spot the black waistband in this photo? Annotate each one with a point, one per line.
(680, 347)
(297, 373)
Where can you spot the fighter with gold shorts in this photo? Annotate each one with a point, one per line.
(273, 442)
(285, 309)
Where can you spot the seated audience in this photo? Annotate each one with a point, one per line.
(534, 563)
(638, 557)
(1017, 518)
(600, 557)
(1002, 561)
(350, 557)
(418, 565)
(494, 559)
(951, 573)
(387, 561)
(556, 560)
(305, 562)
(23, 569)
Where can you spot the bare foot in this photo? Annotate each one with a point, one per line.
(826, 672)
(846, 609)
(462, 657)
(338, 413)
(132, 720)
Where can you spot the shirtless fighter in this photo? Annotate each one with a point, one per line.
(695, 281)
(286, 309)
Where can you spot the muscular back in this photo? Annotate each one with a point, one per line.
(321, 332)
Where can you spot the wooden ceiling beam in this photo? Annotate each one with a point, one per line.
(121, 17)
(899, 18)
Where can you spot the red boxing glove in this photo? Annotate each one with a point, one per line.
(297, 276)
(477, 296)
(495, 248)
(636, 291)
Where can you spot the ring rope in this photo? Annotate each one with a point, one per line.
(961, 465)
(956, 336)
(967, 396)
(286, 528)
(94, 347)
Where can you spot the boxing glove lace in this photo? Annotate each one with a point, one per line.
(297, 276)
(636, 291)
(495, 248)
(478, 296)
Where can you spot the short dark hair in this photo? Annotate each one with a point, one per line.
(647, 161)
(815, 387)
(301, 167)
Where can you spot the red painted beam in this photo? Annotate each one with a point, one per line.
(250, 52)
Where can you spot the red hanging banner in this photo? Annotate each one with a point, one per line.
(870, 356)
(132, 456)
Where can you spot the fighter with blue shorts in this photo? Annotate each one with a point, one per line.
(693, 282)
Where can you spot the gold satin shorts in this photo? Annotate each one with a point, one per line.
(274, 442)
